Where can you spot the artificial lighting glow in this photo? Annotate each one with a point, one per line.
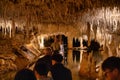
(41, 42)
(104, 17)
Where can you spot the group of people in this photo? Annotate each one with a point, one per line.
(58, 46)
(110, 68)
(48, 67)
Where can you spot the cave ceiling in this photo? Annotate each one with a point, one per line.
(60, 12)
(51, 11)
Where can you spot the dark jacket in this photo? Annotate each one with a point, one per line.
(59, 72)
(46, 59)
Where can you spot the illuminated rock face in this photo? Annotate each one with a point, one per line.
(28, 14)
(51, 11)
(10, 57)
(69, 17)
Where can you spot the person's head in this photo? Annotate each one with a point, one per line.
(41, 69)
(57, 58)
(47, 51)
(111, 68)
(25, 74)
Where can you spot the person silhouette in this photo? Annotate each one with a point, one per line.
(111, 68)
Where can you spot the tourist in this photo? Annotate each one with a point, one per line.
(55, 45)
(58, 70)
(111, 68)
(47, 57)
(41, 71)
(25, 74)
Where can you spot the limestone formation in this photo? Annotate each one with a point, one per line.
(21, 20)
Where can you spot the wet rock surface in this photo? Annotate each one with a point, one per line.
(10, 58)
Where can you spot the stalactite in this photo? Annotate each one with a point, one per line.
(4, 19)
(113, 46)
(88, 32)
(10, 31)
(13, 28)
(27, 23)
(95, 30)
